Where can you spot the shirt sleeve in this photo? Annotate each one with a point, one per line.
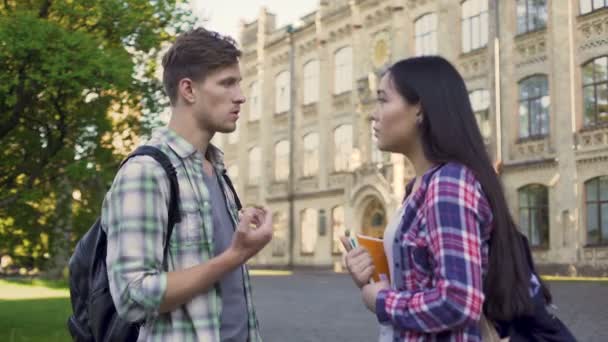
(135, 216)
(455, 208)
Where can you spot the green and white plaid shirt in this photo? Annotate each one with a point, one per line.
(135, 217)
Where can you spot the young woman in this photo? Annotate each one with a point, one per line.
(454, 250)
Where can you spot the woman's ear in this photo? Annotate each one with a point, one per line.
(419, 118)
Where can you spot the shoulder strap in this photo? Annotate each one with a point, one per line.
(165, 162)
(236, 197)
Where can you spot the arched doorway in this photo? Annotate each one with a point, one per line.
(374, 219)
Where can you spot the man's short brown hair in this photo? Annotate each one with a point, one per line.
(195, 54)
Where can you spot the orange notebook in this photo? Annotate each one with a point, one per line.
(375, 247)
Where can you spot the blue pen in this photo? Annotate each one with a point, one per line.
(353, 242)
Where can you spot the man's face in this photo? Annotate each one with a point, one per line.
(218, 100)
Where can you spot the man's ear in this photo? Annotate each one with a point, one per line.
(185, 90)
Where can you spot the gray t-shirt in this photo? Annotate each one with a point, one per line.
(233, 320)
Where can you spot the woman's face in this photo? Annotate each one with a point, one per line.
(394, 120)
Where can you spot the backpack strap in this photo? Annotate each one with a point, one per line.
(236, 197)
(174, 214)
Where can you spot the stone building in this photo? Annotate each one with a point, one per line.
(537, 72)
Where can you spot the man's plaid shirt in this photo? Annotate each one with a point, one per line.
(135, 217)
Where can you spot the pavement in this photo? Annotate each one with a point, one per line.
(314, 306)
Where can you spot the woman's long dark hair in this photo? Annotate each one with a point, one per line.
(449, 133)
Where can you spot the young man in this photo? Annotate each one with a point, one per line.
(205, 295)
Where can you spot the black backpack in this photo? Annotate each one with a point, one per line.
(542, 325)
(94, 315)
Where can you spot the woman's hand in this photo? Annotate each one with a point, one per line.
(369, 293)
(359, 263)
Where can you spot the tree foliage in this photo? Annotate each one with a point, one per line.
(77, 87)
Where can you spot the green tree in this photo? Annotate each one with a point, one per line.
(77, 78)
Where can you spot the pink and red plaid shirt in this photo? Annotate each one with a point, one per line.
(440, 255)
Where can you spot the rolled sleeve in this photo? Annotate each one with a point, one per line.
(134, 216)
(384, 304)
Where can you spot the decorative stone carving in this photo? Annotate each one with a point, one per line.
(309, 111)
(531, 48)
(340, 33)
(364, 89)
(250, 72)
(593, 29)
(381, 49)
(278, 189)
(280, 121)
(339, 179)
(594, 139)
(308, 184)
(412, 4)
(380, 15)
(474, 64)
(341, 101)
(280, 58)
(532, 149)
(308, 46)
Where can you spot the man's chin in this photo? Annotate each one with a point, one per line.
(226, 129)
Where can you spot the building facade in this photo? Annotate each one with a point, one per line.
(537, 72)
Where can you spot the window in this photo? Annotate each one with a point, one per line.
(281, 93)
(531, 15)
(534, 214)
(308, 228)
(311, 82)
(596, 193)
(233, 137)
(426, 35)
(281, 160)
(480, 103)
(588, 6)
(338, 230)
(255, 102)
(343, 147)
(343, 72)
(474, 24)
(279, 234)
(255, 165)
(595, 91)
(533, 107)
(311, 154)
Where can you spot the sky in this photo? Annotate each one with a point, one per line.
(224, 15)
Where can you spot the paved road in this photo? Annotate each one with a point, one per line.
(320, 307)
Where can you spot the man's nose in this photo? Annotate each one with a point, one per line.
(240, 97)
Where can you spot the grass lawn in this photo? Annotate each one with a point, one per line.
(34, 310)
